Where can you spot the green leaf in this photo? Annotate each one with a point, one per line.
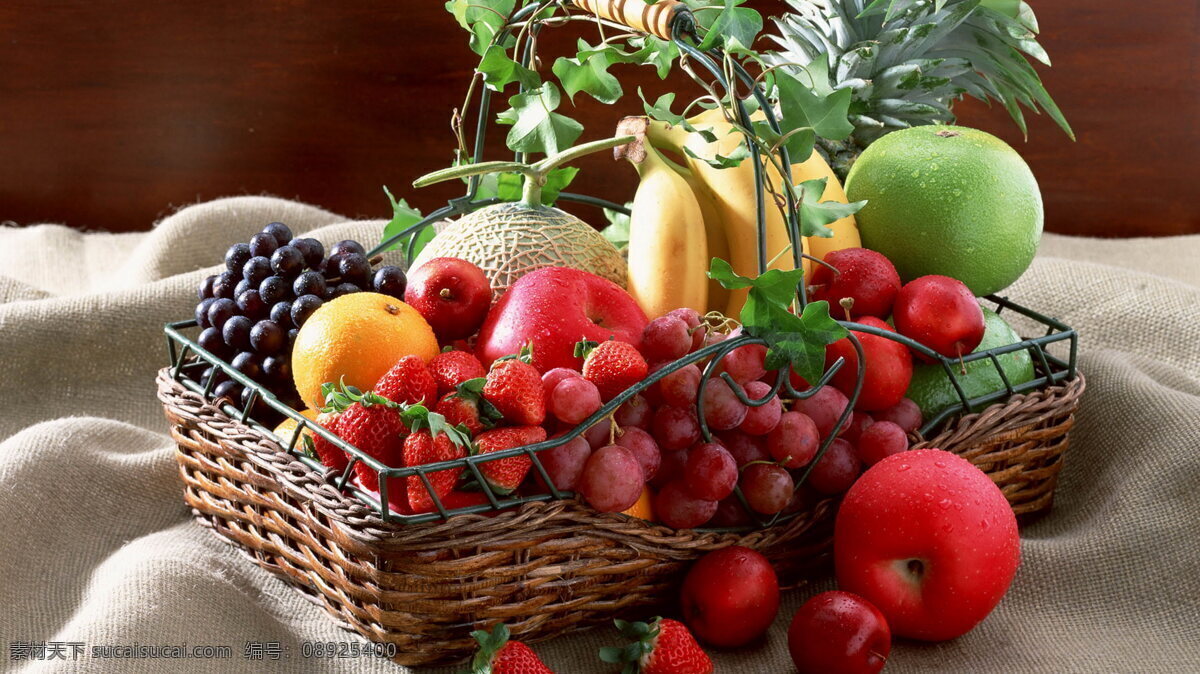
(816, 214)
(617, 231)
(482, 19)
(661, 111)
(661, 108)
(733, 23)
(588, 72)
(535, 125)
(742, 151)
(403, 217)
(720, 271)
(795, 341)
(499, 70)
(810, 107)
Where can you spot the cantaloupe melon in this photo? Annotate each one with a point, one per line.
(510, 240)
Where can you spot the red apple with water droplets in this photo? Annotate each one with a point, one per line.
(930, 540)
(452, 295)
(554, 308)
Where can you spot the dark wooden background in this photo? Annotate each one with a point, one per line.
(113, 114)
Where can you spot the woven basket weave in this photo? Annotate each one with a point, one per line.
(545, 568)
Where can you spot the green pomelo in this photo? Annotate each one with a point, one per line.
(948, 200)
(932, 391)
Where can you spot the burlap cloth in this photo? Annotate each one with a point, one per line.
(98, 547)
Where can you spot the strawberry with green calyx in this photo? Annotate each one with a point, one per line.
(498, 655)
(505, 475)
(515, 388)
(370, 422)
(466, 406)
(326, 451)
(662, 647)
(451, 368)
(612, 366)
(431, 440)
(409, 381)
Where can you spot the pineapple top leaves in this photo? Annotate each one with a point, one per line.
(906, 61)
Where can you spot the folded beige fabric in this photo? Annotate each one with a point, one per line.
(98, 548)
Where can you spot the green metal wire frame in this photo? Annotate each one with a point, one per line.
(188, 359)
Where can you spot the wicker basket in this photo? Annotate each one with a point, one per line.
(545, 568)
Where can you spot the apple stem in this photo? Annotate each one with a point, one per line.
(847, 303)
(962, 364)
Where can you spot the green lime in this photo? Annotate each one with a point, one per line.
(932, 391)
(948, 200)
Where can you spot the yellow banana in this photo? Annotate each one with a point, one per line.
(714, 232)
(845, 231)
(733, 191)
(668, 249)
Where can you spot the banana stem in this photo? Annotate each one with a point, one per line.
(535, 174)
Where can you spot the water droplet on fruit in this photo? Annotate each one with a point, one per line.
(983, 524)
(903, 466)
(948, 527)
(945, 504)
(916, 173)
(933, 166)
(939, 464)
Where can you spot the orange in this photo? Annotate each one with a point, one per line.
(287, 428)
(358, 338)
(643, 509)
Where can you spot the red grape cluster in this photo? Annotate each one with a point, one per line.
(250, 313)
(763, 449)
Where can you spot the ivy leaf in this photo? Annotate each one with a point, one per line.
(721, 161)
(617, 231)
(733, 23)
(661, 110)
(557, 181)
(535, 125)
(499, 70)
(795, 341)
(807, 110)
(816, 214)
(403, 217)
(508, 186)
(482, 19)
(652, 51)
(588, 72)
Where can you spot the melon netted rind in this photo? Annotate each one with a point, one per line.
(510, 240)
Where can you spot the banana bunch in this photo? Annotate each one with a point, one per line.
(727, 206)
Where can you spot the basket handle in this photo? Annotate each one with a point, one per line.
(656, 19)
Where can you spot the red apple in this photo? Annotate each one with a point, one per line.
(839, 632)
(555, 307)
(888, 370)
(930, 540)
(941, 313)
(730, 597)
(452, 295)
(865, 277)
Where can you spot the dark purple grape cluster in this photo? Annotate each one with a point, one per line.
(250, 314)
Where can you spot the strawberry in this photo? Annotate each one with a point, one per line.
(409, 381)
(498, 655)
(515, 388)
(423, 447)
(326, 451)
(663, 647)
(460, 410)
(378, 431)
(612, 366)
(451, 368)
(505, 475)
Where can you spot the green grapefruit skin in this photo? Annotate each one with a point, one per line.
(948, 200)
(932, 391)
